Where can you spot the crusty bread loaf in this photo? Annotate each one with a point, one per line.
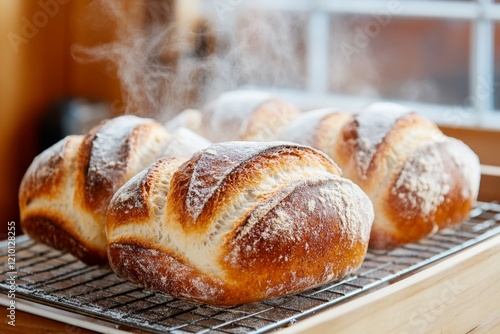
(184, 143)
(419, 180)
(246, 115)
(188, 119)
(65, 192)
(238, 222)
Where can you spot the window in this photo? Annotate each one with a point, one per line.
(438, 56)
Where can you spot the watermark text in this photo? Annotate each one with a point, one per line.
(12, 272)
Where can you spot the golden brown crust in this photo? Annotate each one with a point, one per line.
(246, 115)
(48, 230)
(268, 220)
(430, 198)
(268, 120)
(105, 169)
(311, 248)
(328, 130)
(46, 181)
(135, 206)
(136, 263)
(348, 148)
(48, 172)
(417, 213)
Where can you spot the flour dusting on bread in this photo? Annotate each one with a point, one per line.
(422, 183)
(373, 125)
(214, 165)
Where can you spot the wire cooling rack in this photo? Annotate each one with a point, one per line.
(49, 277)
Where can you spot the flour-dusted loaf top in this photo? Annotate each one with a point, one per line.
(246, 115)
(418, 179)
(188, 119)
(238, 222)
(184, 143)
(65, 193)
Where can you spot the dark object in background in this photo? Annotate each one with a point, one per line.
(69, 116)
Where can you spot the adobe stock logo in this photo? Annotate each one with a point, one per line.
(30, 28)
(363, 36)
(422, 319)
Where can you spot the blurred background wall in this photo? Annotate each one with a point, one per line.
(37, 69)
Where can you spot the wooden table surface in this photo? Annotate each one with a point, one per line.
(27, 323)
(458, 294)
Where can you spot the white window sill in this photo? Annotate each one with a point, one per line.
(447, 115)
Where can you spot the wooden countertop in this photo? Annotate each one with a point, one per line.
(458, 294)
(27, 323)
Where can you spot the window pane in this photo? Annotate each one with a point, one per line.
(396, 58)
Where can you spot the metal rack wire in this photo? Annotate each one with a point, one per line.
(57, 279)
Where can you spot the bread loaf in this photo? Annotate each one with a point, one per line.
(238, 222)
(245, 115)
(419, 180)
(65, 192)
(184, 143)
(188, 119)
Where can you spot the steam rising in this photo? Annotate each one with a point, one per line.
(165, 67)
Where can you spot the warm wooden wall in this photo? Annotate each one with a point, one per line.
(33, 74)
(38, 71)
(486, 144)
